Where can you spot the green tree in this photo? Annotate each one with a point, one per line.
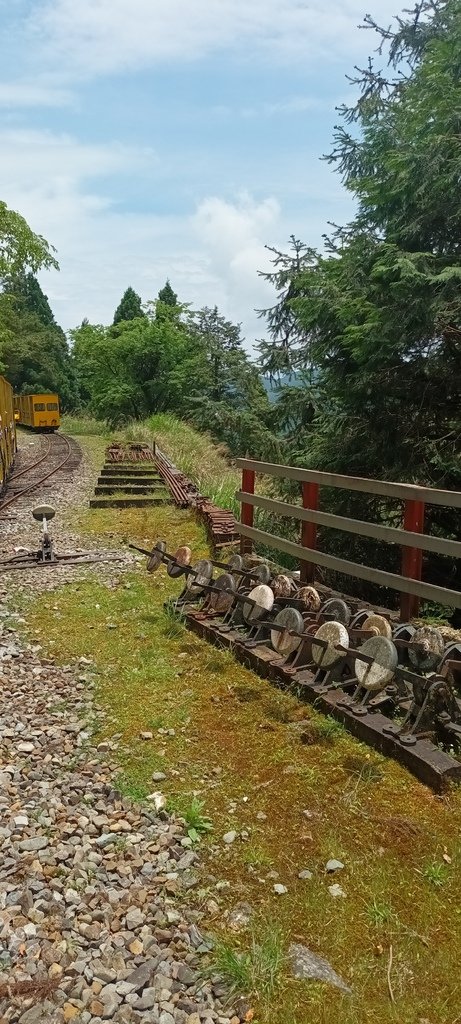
(125, 374)
(218, 338)
(191, 363)
(379, 313)
(166, 305)
(286, 347)
(20, 248)
(167, 295)
(129, 308)
(33, 348)
(228, 397)
(35, 300)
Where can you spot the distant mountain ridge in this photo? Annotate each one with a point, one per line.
(273, 387)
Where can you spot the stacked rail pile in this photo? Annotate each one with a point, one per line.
(219, 522)
(129, 452)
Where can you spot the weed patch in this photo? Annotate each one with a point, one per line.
(192, 811)
(322, 730)
(255, 971)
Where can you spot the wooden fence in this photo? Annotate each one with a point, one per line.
(412, 539)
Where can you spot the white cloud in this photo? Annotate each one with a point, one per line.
(233, 236)
(98, 36)
(211, 255)
(34, 94)
(44, 158)
(212, 252)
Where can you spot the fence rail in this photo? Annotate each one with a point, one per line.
(388, 488)
(412, 540)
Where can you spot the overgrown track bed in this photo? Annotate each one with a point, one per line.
(57, 454)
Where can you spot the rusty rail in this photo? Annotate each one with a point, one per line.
(68, 453)
(220, 523)
(129, 452)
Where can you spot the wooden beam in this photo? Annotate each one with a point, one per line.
(390, 534)
(247, 508)
(388, 488)
(449, 598)
(412, 558)
(310, 496)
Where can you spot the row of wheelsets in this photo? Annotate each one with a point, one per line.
(410, 674)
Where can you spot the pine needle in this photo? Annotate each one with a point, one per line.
(389, 968)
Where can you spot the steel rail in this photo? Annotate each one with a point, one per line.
(33, 465)
(36, 483)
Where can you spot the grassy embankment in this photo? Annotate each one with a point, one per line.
(235, 752)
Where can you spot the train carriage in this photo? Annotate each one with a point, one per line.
(7, 432)
(38, 412)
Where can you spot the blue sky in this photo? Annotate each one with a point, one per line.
(148, 140)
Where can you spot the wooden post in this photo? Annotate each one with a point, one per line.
(309, 530)
(247, 511)
(412, 558)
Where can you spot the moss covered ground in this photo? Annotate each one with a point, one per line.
(230, 747)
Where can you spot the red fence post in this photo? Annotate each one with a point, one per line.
(412, 558)
(247, 511)
(309, 530)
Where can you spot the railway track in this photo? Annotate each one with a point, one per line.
(58, 454)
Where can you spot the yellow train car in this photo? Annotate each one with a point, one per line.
(7, 432)
(39, 412)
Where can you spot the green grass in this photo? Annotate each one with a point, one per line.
(173, 626)
(204, 462)
(134, 790)
(193, 815)
(208, 465)
(436, 874)
(85, 426)
(323, 730)
(198, 823)
(256, 856)
(235, 761)
(380, 913)
(255, 971)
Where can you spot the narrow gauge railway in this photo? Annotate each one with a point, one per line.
(56, 453)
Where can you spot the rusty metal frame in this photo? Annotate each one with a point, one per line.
(429, 763)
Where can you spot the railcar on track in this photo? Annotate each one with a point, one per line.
(38, 412)
(7, 432)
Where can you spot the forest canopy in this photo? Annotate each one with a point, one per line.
(378, 313)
